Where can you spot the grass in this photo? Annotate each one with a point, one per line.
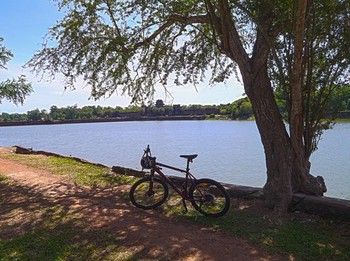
(81, 173)
(342, 120)
(63, 236)
(63, 244)
(302, 239)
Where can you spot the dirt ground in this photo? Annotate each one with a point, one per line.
(155, 236)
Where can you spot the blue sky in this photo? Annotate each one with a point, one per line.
(24, 23)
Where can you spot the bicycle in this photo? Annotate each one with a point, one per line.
(207, 196)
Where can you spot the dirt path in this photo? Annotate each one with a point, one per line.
(153, 235)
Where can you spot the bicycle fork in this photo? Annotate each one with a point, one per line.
(150, 188)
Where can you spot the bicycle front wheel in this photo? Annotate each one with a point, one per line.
(148, 193)
(209, 198)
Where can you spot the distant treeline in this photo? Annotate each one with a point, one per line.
(239, 109)
(98, 112)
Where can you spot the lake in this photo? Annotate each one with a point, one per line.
(229, 151)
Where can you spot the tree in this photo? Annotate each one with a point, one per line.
(70, 112)
(34, 115)
(12, 90)
(340, 99)
(134, 45)
(241, 109)
(310, 67)
(86, 112)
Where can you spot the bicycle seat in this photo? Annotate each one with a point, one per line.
(189, 157)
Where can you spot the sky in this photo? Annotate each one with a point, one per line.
(23, 25)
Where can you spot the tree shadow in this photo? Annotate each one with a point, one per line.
(65, 221)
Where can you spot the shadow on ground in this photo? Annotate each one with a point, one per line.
(64, 221)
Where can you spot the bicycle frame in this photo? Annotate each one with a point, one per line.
(156, 168)
(207, 196)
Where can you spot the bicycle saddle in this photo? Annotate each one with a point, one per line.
(189, 157)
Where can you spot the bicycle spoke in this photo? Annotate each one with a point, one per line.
(209, 198)
(147, 195)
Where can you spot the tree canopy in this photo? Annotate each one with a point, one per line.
(13, 90)
(132, 46)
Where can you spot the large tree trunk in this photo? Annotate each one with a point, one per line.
(282, 161)
(287, 171)
(275, 139)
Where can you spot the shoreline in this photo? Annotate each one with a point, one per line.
(324, 206)
(128, 119)
(123, 119)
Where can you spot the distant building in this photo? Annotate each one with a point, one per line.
(176, 109)
(159, 103)
(145, 110)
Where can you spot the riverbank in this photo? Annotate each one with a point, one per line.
(57, 208)
(327, 207)
(122, 119)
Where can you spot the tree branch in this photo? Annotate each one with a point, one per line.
(231, 40)
(202, 19)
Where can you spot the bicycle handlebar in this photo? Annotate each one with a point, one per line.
(147, 151)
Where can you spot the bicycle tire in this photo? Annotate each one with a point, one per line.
(143, 198)
(209, 198)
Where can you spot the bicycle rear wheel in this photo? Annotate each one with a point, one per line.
(209, 198)
(149, 193)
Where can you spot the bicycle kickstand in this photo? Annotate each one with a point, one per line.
(185, 207)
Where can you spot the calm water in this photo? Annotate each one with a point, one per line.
(229, 151)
